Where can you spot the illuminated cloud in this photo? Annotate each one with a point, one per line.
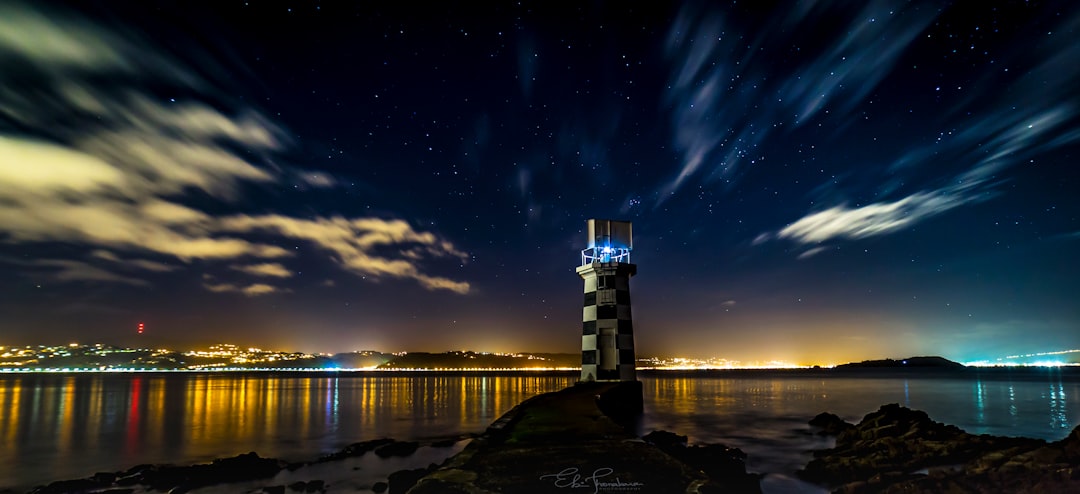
(866, 221)
(317, 179)
(138, 263)
(271, 269)
(104, 162)
(79, 271)
(58, 44)
(63, 270)
(811, 252)
(252, 290)
(354, 244)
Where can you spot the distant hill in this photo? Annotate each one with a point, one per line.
(910, 362)
(361, 360)
(479, 360)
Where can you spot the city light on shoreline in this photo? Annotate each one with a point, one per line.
(103, 358)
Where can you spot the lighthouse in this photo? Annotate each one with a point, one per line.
(607, 330)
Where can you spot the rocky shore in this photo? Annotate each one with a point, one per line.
(899, 450)
(249, 473)
(582, 439)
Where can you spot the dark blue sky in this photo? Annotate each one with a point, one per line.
(812, 182)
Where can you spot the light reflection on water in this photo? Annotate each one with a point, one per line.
(766, 414)
(67, 426)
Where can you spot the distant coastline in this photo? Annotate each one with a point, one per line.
(107, 358)
(910, 362)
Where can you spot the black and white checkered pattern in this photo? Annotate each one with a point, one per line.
(607, 333)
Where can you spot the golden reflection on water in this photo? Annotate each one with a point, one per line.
(66, 413)
(696, 395)
(66, 426)
(9, 422)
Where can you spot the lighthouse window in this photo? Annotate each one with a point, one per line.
(605, 282)
(590, 299)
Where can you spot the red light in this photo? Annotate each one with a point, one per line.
(141, 328)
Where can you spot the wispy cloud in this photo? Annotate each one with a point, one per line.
(145, 264)
(317, 179)
(102, 161)
(354, 244)
(808, 253)
(723, 108)
(252, 290)
(64, 270)
(1037, 115)
(873, 219)
(271, 269)
(79, 271)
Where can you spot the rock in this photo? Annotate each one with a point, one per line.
(104, 478)
(379, 487)
(1071, 445)
(274, 489)
(248, 466)
(298, 486)
(64, 486)
(315, 486)
(355, 449)
(725, 467)
(445, 443)
(664, 439)
(884, 450)
(403, 480)
(831, 425)
(397, 448)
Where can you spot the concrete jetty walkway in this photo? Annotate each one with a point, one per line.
(562, 442)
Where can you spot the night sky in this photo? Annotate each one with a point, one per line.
(814, 182)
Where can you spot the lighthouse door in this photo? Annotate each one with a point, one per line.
(606, 347)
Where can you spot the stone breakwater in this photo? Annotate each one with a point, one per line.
(896, 449)
(579, 440)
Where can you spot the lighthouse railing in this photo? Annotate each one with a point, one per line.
(604, 254)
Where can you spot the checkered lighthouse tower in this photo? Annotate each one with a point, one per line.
(607, 332)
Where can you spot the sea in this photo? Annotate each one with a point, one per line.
(65, 426)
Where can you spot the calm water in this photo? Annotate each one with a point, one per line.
(66, 426)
